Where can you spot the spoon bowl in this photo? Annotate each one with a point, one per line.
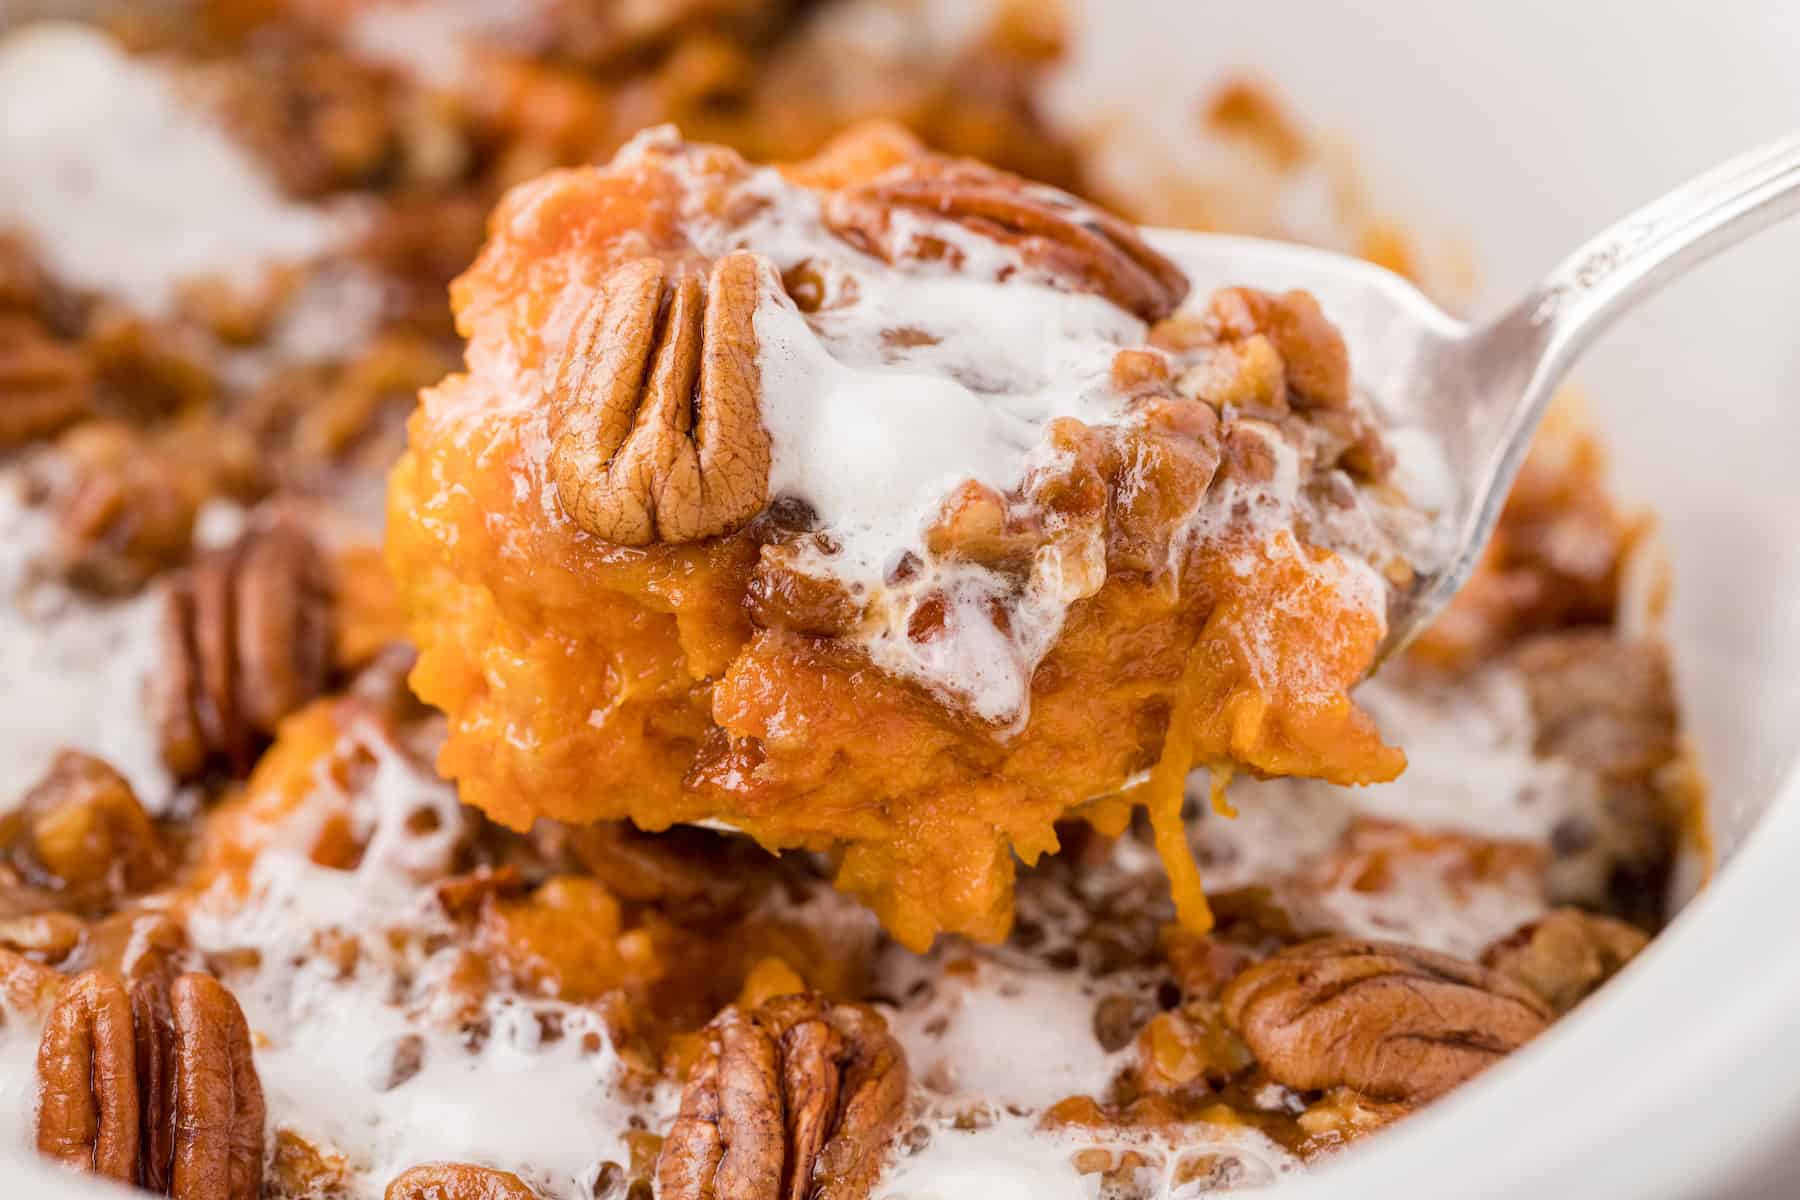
(1478, 391)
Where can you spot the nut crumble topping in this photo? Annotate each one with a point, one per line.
(253, 945)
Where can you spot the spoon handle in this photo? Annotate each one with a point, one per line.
(1510, 367)
(1548, 329)
(1635, 256)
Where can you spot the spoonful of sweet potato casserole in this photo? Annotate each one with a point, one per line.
(890, 505)
(886, 504)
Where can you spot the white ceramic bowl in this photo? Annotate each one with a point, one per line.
(1524, 126)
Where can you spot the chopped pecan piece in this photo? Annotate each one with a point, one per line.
(246, 640)
(45, 385)
(1342, 1115)
(1076, 245)
(124, 508)
(302, 1171)
(145, 370)
(1185, 1046)
(457, 1181)
(26, 986)
(87, 1081)
(463, 896)
(975, 522)
(798, 1100)
(656, 405)
(1313, 353)
(1600, 700)
(87, 832)
(45, 937)
(784, 594)
(1391, 1021)
(1565, 956)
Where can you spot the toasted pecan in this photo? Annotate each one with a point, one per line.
(1393, 1022)
(798, 1100)
(45, 385)
(1313, 352)
(219, 1112)
(656, 404)
(124, 506)
(87, 1082)
(154, 1086)
(247, 637)
(1565, 955)
(457, 1181)
(86, 831)
(27, 987)
(1080, 247)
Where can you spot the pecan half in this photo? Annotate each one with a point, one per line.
(1393, 1022)
(798, 1100)
(1080, 247)
(218, 1114)
(246, 640)
(656, 405)
(284, 618)
(87, 1081)
(1566, 955)
(85, 830)
(153, 1086)
(457, 1181)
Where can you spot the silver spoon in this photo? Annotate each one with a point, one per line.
(1480, 390)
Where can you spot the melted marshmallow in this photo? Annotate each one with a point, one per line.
(18, 1083)
(1007, 1159)
(1421, 906)
(381, 1067)
(1005, 1035)
(125, 187)
(74, 670)
(434, 40)
(1471, 769)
